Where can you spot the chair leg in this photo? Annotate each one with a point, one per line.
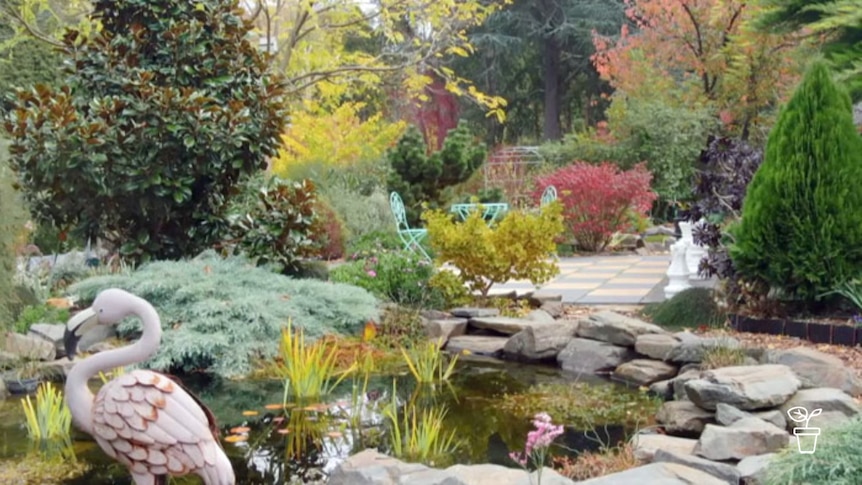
(416, 241)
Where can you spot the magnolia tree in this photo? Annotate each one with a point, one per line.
(165, 108)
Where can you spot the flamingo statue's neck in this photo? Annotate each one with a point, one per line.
(78, 395)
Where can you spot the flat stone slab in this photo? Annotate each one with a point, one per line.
(369, 467)
(657, 474)
(655, 345)
(470, 312)
(643, 372)
(746, 437)
(646, 444)
(752, 469)
(744, 387)
(817, 369)
(505, 325)
(616, 329)
(836, 406)
(477, 344)
(726, 415)
(729, 473)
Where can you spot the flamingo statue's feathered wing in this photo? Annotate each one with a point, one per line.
(143, 419)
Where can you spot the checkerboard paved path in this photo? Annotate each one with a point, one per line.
(602, 280)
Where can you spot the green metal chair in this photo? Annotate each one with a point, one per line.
(549, 195)
(412, 238)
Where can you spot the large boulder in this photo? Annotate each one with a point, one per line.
(657, 474)
(744, 387)
(655, 345)
(616, 329)
(29, 347)
(539, 316)
(678, 383)
(683, 418)
(441, 329)
(50, 332)
(541, 342)
(585, 356)
(816, 369)
(836, 406)
(642, 372)
(746, 437)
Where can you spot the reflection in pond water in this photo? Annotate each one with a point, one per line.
(269, 444)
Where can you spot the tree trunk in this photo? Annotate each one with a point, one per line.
(553, 94)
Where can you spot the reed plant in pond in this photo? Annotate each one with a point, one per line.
(309, 370)
(428, 363)
(48, 419)
(419, 434)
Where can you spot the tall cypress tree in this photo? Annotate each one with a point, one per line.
(801, 229)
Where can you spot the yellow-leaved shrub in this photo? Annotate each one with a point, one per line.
(520, 246)
(320, 137)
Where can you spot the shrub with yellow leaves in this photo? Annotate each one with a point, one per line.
(331, 138)
(520, 246)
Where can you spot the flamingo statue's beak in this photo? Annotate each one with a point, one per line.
(77, 326)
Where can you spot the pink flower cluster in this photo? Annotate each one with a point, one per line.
(538, 441)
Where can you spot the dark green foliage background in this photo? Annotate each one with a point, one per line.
(419, 177)
(162, 112)
(801, 229)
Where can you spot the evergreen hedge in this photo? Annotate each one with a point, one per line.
(801, 229)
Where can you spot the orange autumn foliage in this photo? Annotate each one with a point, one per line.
(703, 52)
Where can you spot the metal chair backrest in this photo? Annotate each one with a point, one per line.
(398, 211)
(549, 195)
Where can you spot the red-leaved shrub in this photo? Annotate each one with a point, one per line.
(599, 200)
(328, 231)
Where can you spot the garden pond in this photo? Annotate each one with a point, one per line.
(271, 444)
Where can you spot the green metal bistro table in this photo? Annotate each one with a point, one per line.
(490, 211)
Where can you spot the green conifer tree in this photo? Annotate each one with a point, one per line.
(801, 229)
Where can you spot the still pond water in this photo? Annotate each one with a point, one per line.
(291, 447)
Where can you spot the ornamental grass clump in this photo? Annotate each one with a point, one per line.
(537, 447)
(419, 435)
(309, 370)
(520, 246)
(48, 419)
(428, 363)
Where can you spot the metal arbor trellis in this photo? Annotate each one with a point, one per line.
(510, 169)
